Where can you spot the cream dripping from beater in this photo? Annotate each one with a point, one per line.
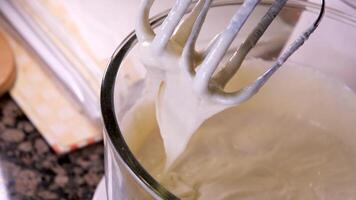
(187, 91)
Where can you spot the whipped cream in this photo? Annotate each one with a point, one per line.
(297, 143)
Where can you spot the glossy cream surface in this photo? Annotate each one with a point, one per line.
(295, 139)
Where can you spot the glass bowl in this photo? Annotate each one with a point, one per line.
(330, 50)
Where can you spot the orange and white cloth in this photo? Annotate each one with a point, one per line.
(44, 102)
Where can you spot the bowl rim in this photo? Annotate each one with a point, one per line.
(107, 90)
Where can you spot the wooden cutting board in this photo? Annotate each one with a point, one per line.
(7, 66)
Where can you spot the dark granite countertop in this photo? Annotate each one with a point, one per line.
(29, 168)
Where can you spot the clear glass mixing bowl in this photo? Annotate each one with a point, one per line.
(330, 49)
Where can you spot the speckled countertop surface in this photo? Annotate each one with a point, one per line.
(29, 169)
